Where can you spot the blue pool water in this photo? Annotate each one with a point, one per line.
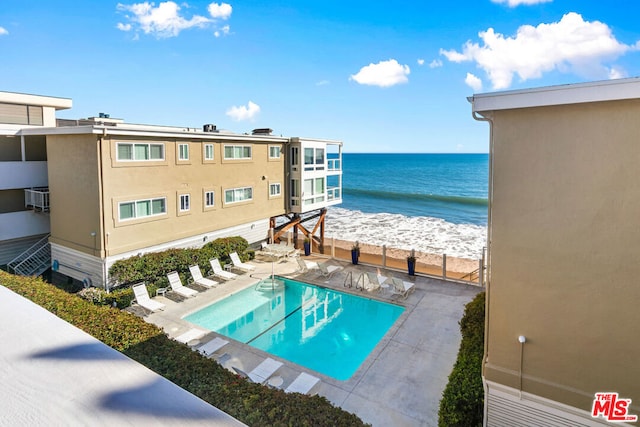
(321, 329)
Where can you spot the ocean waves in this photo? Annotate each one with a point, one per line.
(391, 195)
(422, 233)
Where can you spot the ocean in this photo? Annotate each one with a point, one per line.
(434, 203)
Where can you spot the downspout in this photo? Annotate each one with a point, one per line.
(103, 235)
(486, 118)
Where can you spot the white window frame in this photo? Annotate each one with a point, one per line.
(133, 151)
(185, 202)
(238, 155)
(278, 152)
(209, 195)
(240, 191)
(206, 152)
(135, 208)
(274, 185)
(183, 155)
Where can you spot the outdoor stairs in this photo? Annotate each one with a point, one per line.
(34, 261)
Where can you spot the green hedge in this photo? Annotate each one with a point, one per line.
(153, 267)
(462, 401)
(250, 403)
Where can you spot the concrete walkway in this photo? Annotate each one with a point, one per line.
(402, 380)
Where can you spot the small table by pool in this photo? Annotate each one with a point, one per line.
(276, 381)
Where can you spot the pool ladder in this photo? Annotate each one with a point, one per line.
(348, 281)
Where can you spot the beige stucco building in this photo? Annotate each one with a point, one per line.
(116, 189)
(563, 248)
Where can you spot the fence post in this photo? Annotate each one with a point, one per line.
(333, 247)
(384, 256)
(444, 266)
(480, 272)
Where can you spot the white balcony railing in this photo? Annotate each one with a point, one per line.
(334, 193)
(37, 198)
(334, 164)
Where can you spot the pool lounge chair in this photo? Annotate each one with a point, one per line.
(212, 346)
(302, 384)
(402, 288)
(178, 287)
(304, 265)
(235, 259)
(196, 274)
(375, 282)
(261, 373)
(219, 272)
(141, 297)
(327, 269)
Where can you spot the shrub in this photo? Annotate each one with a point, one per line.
(153, 267)
(250, 403)
(462, 401)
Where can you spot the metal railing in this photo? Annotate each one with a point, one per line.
(37, 198)
(34, 261)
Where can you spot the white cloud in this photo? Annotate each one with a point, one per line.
(222, 10)
(435, 63)
(420, 61)
(570, 45)
(222, 31)
(473, 82)
(242, 112)
(514, 3)
(166, 20)
(3, 31)
(383, 74)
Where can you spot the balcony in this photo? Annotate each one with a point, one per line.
(37, 199)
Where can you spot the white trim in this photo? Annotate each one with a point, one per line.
(224, 151)
(609, 90)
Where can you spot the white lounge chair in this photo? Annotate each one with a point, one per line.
(235, 259)
(212, 346)
(375, 282)
(141, 295)
(198, 278)
(261, 373)
(302, 384)
(327, 269)
(177, 287)
(218, 271)
(401, 287)
(304, 265)
(190, 335)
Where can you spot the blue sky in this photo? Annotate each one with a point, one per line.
(379, 76)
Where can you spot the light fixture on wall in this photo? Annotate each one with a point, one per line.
(522, 339)
(264, 177)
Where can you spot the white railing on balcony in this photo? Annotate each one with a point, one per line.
(333, 164)
(333, 193)
(37, 198)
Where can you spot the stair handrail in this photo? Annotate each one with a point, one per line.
(34, 256)
(27, 252)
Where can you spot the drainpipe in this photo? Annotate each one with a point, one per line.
(103, 236)
(486, 117)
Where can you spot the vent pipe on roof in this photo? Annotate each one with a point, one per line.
(261, 131)
(209, 128)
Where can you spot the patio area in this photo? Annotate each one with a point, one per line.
(401, 381)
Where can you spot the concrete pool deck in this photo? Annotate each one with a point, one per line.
(401, 381)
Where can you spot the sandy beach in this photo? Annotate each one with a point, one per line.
(431, 264)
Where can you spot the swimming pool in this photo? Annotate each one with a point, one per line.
(327, 331)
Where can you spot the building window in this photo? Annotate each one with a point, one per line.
(183, 152)
(313, 191)
(235, 152)
(274, 189)
(235, 195)
(16, 114)
(209, 199)
(185, 202)
(274, 152)
(140, 152)
(142, 208)
(314, 156)
(208, 151)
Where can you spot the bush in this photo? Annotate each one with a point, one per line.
(250, 403)
(153, 267)
(462, 401)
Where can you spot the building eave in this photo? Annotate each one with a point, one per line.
(601, 91)
(44, 101)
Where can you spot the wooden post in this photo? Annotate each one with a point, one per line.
(321, 246)
(333, 247)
